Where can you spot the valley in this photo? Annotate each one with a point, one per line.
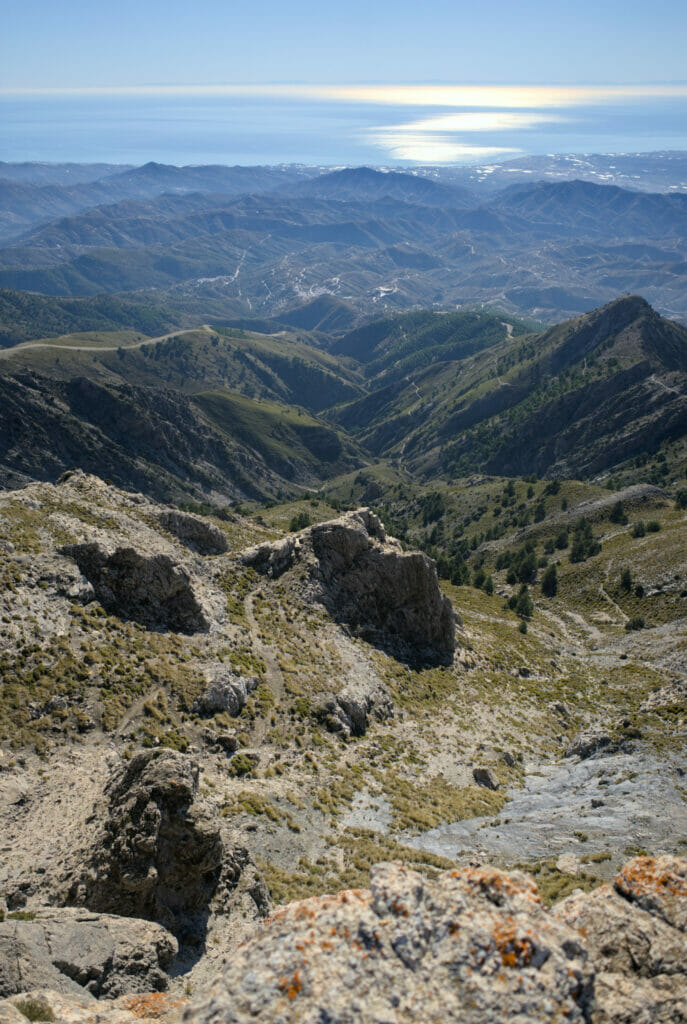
(331, 573)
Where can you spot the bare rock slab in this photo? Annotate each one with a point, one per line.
(70, 950)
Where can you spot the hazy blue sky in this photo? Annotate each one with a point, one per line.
(87, 43)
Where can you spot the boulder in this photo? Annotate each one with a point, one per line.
(196, 533)
(157, 853)
(153, 590)
(485, 777)
(367, 581)
(635, 933)
(225, 692)
(349, 711)
(71, 950)
(472, 946)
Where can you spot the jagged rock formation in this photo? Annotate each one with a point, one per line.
(474, 946)
(366, 580)
(194, 532)
(150, 589)
(158, 853)
(71, 950)
(635, 932)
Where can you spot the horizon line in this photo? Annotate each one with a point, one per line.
(401, 94)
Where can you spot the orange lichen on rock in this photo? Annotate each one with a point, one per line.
(291, 986)
(645, 875)
(493, 882)
(516, 950)
(314, 905)
(657, 884)
(151, 1005)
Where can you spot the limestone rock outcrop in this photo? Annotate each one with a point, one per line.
(350, 710)
(366, 580)
(153, 590)
(635, 932)
(194, 532)
(70, 950)
(472, 946)
(225, 692)
(158, 853)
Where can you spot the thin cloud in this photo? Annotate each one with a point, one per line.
(485, 96)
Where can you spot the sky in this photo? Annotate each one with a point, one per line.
(84, 44)
(271, 81)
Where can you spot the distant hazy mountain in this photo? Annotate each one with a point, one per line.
(58, 174)
(26, 201)
(260, 242)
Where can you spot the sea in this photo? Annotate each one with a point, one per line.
(197, 128)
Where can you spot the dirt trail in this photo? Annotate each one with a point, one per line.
(5, 353)
(273, 675)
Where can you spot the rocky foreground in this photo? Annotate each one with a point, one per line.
(473, 945)
(192, 712)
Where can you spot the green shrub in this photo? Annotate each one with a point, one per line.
(653, 526)
(35, 1010)
(240, 765)
(617, 514)
(636, 622)
(299, 522)
(626, 580)
(521, 603)
(549, 583)
(638, 530)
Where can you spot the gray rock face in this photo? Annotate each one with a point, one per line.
(158, 854)
(226, 692)
(194, 532)
(366, 580)
(349, 711)
(152, 590)
(273, 558)
(370, 582)
(635, 933)
(71, 950)
(473, 946)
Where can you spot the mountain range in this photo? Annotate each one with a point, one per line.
(259, 242)
(221, 413)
